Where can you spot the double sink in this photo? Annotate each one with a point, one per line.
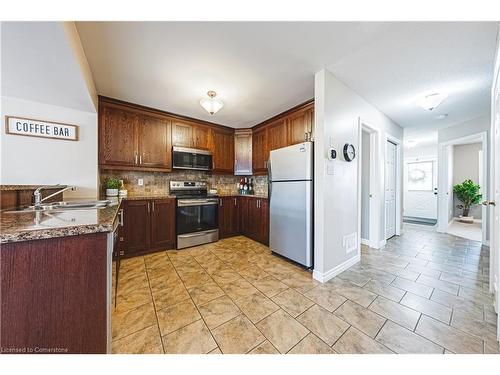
(67, 206)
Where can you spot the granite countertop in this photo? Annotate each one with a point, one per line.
(29, 187)
(29, 225)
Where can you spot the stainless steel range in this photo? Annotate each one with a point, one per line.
(196, 216)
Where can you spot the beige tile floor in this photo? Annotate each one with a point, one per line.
(423, 293)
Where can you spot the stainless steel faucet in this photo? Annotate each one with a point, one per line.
(38, 194)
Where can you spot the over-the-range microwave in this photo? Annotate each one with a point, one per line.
(191, 158)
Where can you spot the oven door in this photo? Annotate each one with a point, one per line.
(189, 158)
(195, 215)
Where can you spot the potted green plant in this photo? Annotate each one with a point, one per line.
(112, 186)
(468, 193)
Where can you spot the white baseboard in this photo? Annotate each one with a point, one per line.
(366, 242)
(324, 277)
(382, 244)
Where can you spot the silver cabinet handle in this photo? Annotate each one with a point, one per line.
(220, 202)
(153, 203)
(135, 158)
(235, 201)
(121, 217)
(149, 207)
(140, 159)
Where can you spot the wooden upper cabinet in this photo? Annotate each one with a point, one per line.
(276, 135)
(243, 152)
(117, 137)
(200, 137)
(299, 126)
(222, 147)
(154, 143)
(182, 134)
(260, 151)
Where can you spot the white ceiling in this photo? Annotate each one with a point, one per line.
(260, 69)
(38, 64)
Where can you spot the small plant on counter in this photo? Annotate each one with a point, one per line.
(112, 185)
(468, 193)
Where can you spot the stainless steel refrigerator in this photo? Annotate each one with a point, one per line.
(291, 202)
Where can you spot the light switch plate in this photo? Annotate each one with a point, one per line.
(140, 181)
(330, 170)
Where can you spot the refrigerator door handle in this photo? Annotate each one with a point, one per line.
(270, 179)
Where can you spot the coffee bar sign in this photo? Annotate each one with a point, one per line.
(43, 129)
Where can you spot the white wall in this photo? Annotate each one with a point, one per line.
(33, 161)
(337, 110)
(425, 151)
(465, 167)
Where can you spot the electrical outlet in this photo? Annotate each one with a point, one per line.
(140, 181)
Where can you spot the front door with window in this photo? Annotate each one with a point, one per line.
(420, 180)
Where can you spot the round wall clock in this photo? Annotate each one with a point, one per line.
(349, 152)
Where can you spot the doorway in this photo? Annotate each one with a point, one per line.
(463, 159)
(368, 190)
(391, 189)
(420, 190)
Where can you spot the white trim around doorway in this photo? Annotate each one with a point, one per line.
(374, 222)
(443, 202)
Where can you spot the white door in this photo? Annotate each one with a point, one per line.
(390, 190)
(420, 180)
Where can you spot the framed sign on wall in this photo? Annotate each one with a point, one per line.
(43, 129)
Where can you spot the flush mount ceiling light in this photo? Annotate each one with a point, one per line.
(211, 104)
(442, 117)
(431, 101)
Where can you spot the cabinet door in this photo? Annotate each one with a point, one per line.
(243, 153)
(254, 218)
(243, 212)
(264, 221)
(222, 145)
(200, 137)
(260, 152)
(224, 217)
(276, 135)
(136, 225)
(235, 216)
(299, 125)
(117, 137)
(182, 134)
(154, 143)
(162, 223)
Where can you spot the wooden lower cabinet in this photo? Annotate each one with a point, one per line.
(54, 295)
(253, 218)
(162, 223)
(148, 225)
(228, 216)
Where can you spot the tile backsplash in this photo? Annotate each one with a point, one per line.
(158, 182)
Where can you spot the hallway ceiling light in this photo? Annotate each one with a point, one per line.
(442, 117)
(431, 101)
(211, 104)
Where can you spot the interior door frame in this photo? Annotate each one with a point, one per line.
(443, 202)
(399, 177)
(374, 222)
(494, 225)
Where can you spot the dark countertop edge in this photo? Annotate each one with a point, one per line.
(244, 195)
(8, 187)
